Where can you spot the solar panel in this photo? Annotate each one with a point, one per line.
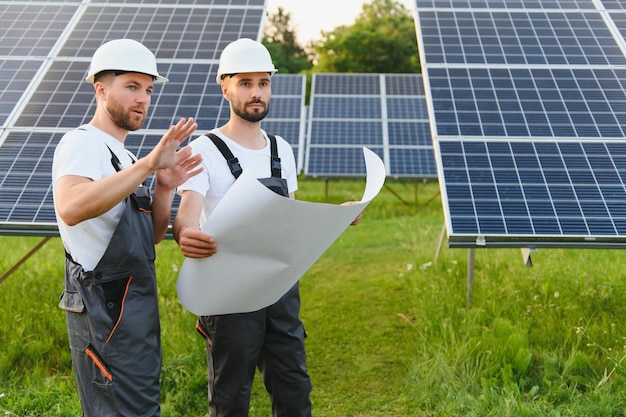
(528, 104)
(15, 77)
(29, 29)
(45, 49)
(385, 112)
(173, 30)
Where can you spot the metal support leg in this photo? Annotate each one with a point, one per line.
(441, 237)
(470, 276)
(25, 258)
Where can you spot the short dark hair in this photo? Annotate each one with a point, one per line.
(102, 74)
(116, 73)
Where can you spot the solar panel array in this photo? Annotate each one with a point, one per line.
(528, 104)
(385, 112)
(45, 50)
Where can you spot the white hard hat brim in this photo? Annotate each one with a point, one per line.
(157, 78)
(219, 76)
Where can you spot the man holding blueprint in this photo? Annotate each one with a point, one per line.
(246, 291)
(270, 338)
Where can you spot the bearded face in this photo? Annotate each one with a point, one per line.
(249, 95)
(252, 111)
(125, 98)
(128, 118)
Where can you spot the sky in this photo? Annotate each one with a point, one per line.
(310, 17)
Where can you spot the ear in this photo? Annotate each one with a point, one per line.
(224, 86)
(100, 89)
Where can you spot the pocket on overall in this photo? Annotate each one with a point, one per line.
(71, 301)
(99, 362)
(278, 185)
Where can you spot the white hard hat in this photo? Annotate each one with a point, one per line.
(124, 55)
(244, 55)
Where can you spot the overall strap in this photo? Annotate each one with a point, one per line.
(117, 164)
(233, 162)
(115, 161)
(276, 168)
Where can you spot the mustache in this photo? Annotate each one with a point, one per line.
(257, 101)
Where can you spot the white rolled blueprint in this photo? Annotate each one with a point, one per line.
(266, 242)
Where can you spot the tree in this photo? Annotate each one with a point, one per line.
(382, 40)
(280, 39)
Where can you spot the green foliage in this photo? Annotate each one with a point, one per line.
(381, 40)
(389, 329)
(280, 39)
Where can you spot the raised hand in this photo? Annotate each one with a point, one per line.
(180, 172)
(165, 155)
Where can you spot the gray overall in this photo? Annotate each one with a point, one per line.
(271, 339)
(113, 320)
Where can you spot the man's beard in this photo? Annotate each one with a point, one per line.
(251, 116)
(122, 117)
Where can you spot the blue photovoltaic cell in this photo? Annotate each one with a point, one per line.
(385, 111)
(529, 112)
(347, 84)
(288, 129)
(619, 18)
(614, 4)
(31, 30)
(339, 162)
(15, 77)
(25, 167)
(407, 108)
(507, 4)
(582, 103)
(551, 191)
(514, 38)
(338, 133)
(286, 107)
(408, 158)
(288, 85)
(410, 134)
(347, 108)
(175, 32)
(403, 85)
(62, 98)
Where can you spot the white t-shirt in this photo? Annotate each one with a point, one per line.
(83, 152)
(216, 178)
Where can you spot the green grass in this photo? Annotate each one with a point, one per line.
(389, 329)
